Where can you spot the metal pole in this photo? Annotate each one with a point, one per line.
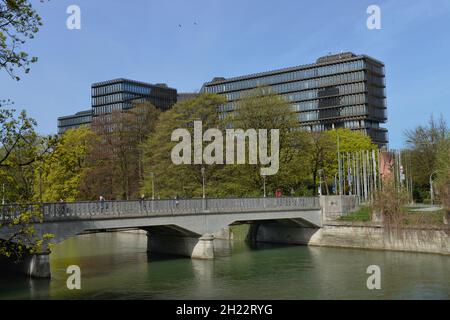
(398, 171)
(264, 179)
(411, 178)
(363, 153)
(358, 176)
(349, 174)
(339, 163)
(355, 174)
(153, 185)
(380, 183)
(375, 171)
(3, 194)
(320, 182)
(335, 184)
(431, 187)
(203, 182)
(152, 174)
(40, 185)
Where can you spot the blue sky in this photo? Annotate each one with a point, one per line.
(141, 40)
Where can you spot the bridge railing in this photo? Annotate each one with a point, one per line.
(10, 212)
(141, 208)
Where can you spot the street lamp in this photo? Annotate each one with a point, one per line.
(203, 182)
(204, 193)
(431, 187)
(339, 163)
(336, 184)
(339, 159)
(264, 179)
(320, 181)
(152, 174)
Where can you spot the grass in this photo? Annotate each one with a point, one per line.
(424, 218)
(417, 218)
(363, 214)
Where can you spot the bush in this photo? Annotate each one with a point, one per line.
(390, 203)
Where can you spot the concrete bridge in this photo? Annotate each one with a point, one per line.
(182, 227)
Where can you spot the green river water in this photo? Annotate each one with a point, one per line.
(117, 266)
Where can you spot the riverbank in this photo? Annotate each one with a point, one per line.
(376, 237)
(343, 234)
(368, 236)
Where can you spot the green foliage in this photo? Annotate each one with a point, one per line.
(23, 237)
(20, 149)
(424, 144)
(18, 23)
(351, 141)
(302, 154)
(443, 174)
(59, 174)
(184, 180)
(320, 153)
(263, 109)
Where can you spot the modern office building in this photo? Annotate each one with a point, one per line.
(74, 121)
(341, 91)
(183, 96)
(119, 94)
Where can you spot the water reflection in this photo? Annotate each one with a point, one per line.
(117, 266)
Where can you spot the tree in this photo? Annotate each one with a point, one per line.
(145, 116)
(20, 148)
(261, 108)
(115, 165)
(17, 173)
(350, 140)
(443, 175)
(424, 142)
(322, 152)
(58, 175)
(23, 239)
(19, 132)
(302, 154)
(170, 179)
(18, 23)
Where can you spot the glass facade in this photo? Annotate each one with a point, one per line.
(74, 121)
(344, 91)
(119, 94)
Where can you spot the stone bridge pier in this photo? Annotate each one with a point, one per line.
(189, 246)
(32, 265)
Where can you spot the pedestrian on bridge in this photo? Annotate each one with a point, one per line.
(141, 201)
(62, 207)
(102, 203)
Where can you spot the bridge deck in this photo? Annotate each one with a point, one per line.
(99, 210)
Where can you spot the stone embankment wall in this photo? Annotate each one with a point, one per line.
(362, 236)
